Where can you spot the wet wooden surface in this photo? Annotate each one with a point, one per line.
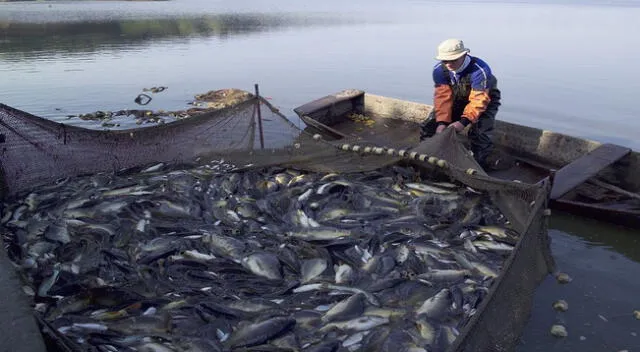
(585, 167)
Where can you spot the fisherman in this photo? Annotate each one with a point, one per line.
(466, 93)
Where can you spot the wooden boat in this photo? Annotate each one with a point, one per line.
(592, 179)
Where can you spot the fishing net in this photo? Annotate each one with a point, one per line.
(253, 134)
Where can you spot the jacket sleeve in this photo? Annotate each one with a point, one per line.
(479, 97)
(442, 96)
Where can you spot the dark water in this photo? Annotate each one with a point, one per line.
(604, 263)
(568, 67)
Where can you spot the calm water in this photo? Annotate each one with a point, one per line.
(568, 66)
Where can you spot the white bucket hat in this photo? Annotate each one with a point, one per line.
(451, 49)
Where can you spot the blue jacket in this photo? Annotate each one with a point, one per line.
(467, 92)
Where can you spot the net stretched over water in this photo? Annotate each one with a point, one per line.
(298, 210)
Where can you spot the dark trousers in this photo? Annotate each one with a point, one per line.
(480, 133)
(480, 137)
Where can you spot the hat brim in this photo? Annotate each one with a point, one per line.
(452, 56)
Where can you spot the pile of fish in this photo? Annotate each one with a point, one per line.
(275, 259)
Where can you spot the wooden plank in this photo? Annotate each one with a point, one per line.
(326, 102)
(615, 189)
(585, 167)
(322, 127)
(619, 217)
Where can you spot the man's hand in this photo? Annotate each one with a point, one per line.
(457, 126)
(440, 128)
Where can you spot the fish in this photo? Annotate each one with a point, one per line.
(320, 234)
(330, 186)
(444, 275)
(357, 324)
(422, 187)
(355, 339)
(436, 306)
(351, 307)
(282, 179)
(304, 220)
(344, 274)
(47, 283)
(252, 305)
(259, 332)
(130, 191)
(493, 246)
(332, 214)
(498, 231)
(225, 246)
(312, 268)
(192, 254)
(264, 264)
(427, 331)
(371, 299)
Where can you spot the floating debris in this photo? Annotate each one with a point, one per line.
(360, 118)
(142, 99)
(561, 305)
(211, 101)
(171, 259)
(559, 331)
(154, 89)
(563, 278)
(636, 314)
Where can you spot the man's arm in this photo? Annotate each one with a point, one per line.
(479, 97)
(442, 96)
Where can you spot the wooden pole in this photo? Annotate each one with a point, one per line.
(259, 116)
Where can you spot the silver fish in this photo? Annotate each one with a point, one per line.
(326, 286)
(225, 246)
(436, 306)
(344, 274)
(312, 268)
(326, 188)
(444, 275)
(349, 308)
(264, 264)
(428, 188)
(358, 324)
(260, 332)
(320, 234)
(493, 246)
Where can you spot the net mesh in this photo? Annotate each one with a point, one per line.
(37, 151)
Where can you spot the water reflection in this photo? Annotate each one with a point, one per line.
(603, 261)
(595, 233)
(601, 297)
(22, 40)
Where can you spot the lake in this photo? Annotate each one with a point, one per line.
(567, 66)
